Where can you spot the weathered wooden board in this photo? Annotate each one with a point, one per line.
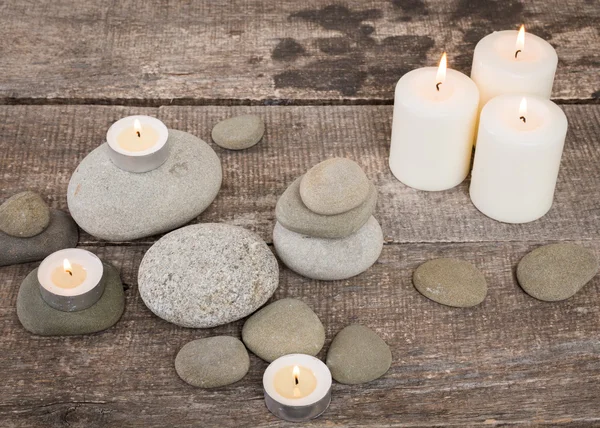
(511, 360)
(257, 51)
(40, 146)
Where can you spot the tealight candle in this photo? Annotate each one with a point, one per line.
(517, 158)
(297, 387)
(138, 143)
(71, 279)
(435, 111)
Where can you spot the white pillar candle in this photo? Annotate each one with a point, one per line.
(435, 112)
(511, 62)
(519, 146)
(297, 387)
(138, 143)
(71, 279)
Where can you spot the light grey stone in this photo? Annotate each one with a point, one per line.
(24, 215)
(557, 271)
(116, 205)
(329, 259)
(295, 216)
(212, 362)
(287, 326)
(334, 186)
(451, 282)
(39, 318)
(239, 132)
(206, 275)
(358, 355)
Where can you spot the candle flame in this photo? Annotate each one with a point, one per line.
(520, 45)
(137, 127)
(440, 77)
(67, 267)
(523, 110)
(296, 373)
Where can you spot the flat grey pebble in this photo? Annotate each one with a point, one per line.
(295, 216)
(239, 132)
(39, 318)
(61, 233)
(287, 326)
(116, 205)
(24, 215)
(358, 355)
(334, 186)
(451, 282)
(212, 362)
(557, 271)
(329, 259)
(206, 275)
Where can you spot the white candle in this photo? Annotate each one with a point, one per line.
(71, 279)
(511, 62)
(297, 387)
(433, 127)
(519, 146)
(138, 143)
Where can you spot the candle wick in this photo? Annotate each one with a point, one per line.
(517, 53)
(138, 134)
(437, 86)
(523, 119)
(70, 273)
(296, 380)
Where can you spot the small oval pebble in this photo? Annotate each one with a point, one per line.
(287, 326)
(451, 282)
(556, 271)
(358, 355)
(212, 362)
(334, 186)
(24, 215)
(240, 132)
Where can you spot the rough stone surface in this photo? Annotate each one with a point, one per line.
(61, 233)
(329, 259)
(24, 215)
(116, 205)
(287, 326)
(556, 271)
(451, 282)
(334, 186)
(206, 275)
(358, 355)
(39, 318)
(212, 362)
(295, 216)
(240, 132)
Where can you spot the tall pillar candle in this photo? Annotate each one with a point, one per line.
(433, 127)
(517, 158)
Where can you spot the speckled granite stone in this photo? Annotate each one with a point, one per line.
(239, 132)
(24, 215)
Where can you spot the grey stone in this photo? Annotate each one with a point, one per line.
(287, 326)
(557, 271)
(206, 275)
(334, 186)
(295, 216)
(212, 362)
(240, 132)
(329, 259)
(24, 215)
(39, 318)
(358, 355)
(451, 282)
(61, 233)
(116, 205)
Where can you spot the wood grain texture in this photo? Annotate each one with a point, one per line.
(262, 52)
(40, 147)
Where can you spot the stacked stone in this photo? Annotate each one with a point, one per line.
(325, 229)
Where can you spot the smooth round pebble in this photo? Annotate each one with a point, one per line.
(212, 362)
(240, 132)
(334, 186)
(329, 259)
(451, 282)
(206, 275)
(287, 326)
(557, 271)
(358, 355)
(24, 215)
(295, 216)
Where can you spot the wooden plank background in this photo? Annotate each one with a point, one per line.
(69, 69)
